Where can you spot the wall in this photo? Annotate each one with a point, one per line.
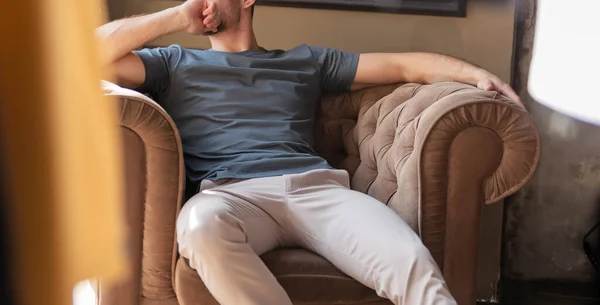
(546, 221)
(484, 38)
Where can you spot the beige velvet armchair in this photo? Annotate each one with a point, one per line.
(434, 153)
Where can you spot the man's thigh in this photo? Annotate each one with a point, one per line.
(213, 219)
(357, 233)
(223, 230)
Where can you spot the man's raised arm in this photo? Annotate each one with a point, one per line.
(121, 37)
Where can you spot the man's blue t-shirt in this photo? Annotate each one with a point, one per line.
(249, 114)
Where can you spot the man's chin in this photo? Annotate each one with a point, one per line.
(220, 29)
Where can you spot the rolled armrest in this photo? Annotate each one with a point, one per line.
(154, 172)
(435, 154)
(407, 139)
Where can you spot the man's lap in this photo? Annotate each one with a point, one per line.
(315, 210)
(312, 208)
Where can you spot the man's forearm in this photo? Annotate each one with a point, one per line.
(427, 68)
(122, 36)
(387, 68)
(431, 68)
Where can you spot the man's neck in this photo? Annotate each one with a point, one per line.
(237, 39)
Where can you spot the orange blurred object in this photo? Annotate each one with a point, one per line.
(60, 148)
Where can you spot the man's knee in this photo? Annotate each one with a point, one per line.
(204, 221)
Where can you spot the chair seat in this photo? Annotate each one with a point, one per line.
(308, 279)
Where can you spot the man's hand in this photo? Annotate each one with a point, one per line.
(493, 83)
(200, 16)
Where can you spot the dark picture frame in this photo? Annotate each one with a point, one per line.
(456, 8)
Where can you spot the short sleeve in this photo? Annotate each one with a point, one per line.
(158, 63)
(338, 68)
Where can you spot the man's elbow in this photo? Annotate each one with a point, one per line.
(129, 71)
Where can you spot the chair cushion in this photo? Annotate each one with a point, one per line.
(307, 278)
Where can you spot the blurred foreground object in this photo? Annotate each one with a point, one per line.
(61, 152)
(566, 53)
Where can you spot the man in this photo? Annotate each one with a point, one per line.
(246, 119)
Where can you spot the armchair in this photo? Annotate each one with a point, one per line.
(434, 153)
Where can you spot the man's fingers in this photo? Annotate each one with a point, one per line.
(208, 20)
(501, 87)
(508, 91)
(486, 85)
(212, 23)
(210, 10)
(513, 96)
(510, 94)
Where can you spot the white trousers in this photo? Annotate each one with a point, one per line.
(224, 229)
